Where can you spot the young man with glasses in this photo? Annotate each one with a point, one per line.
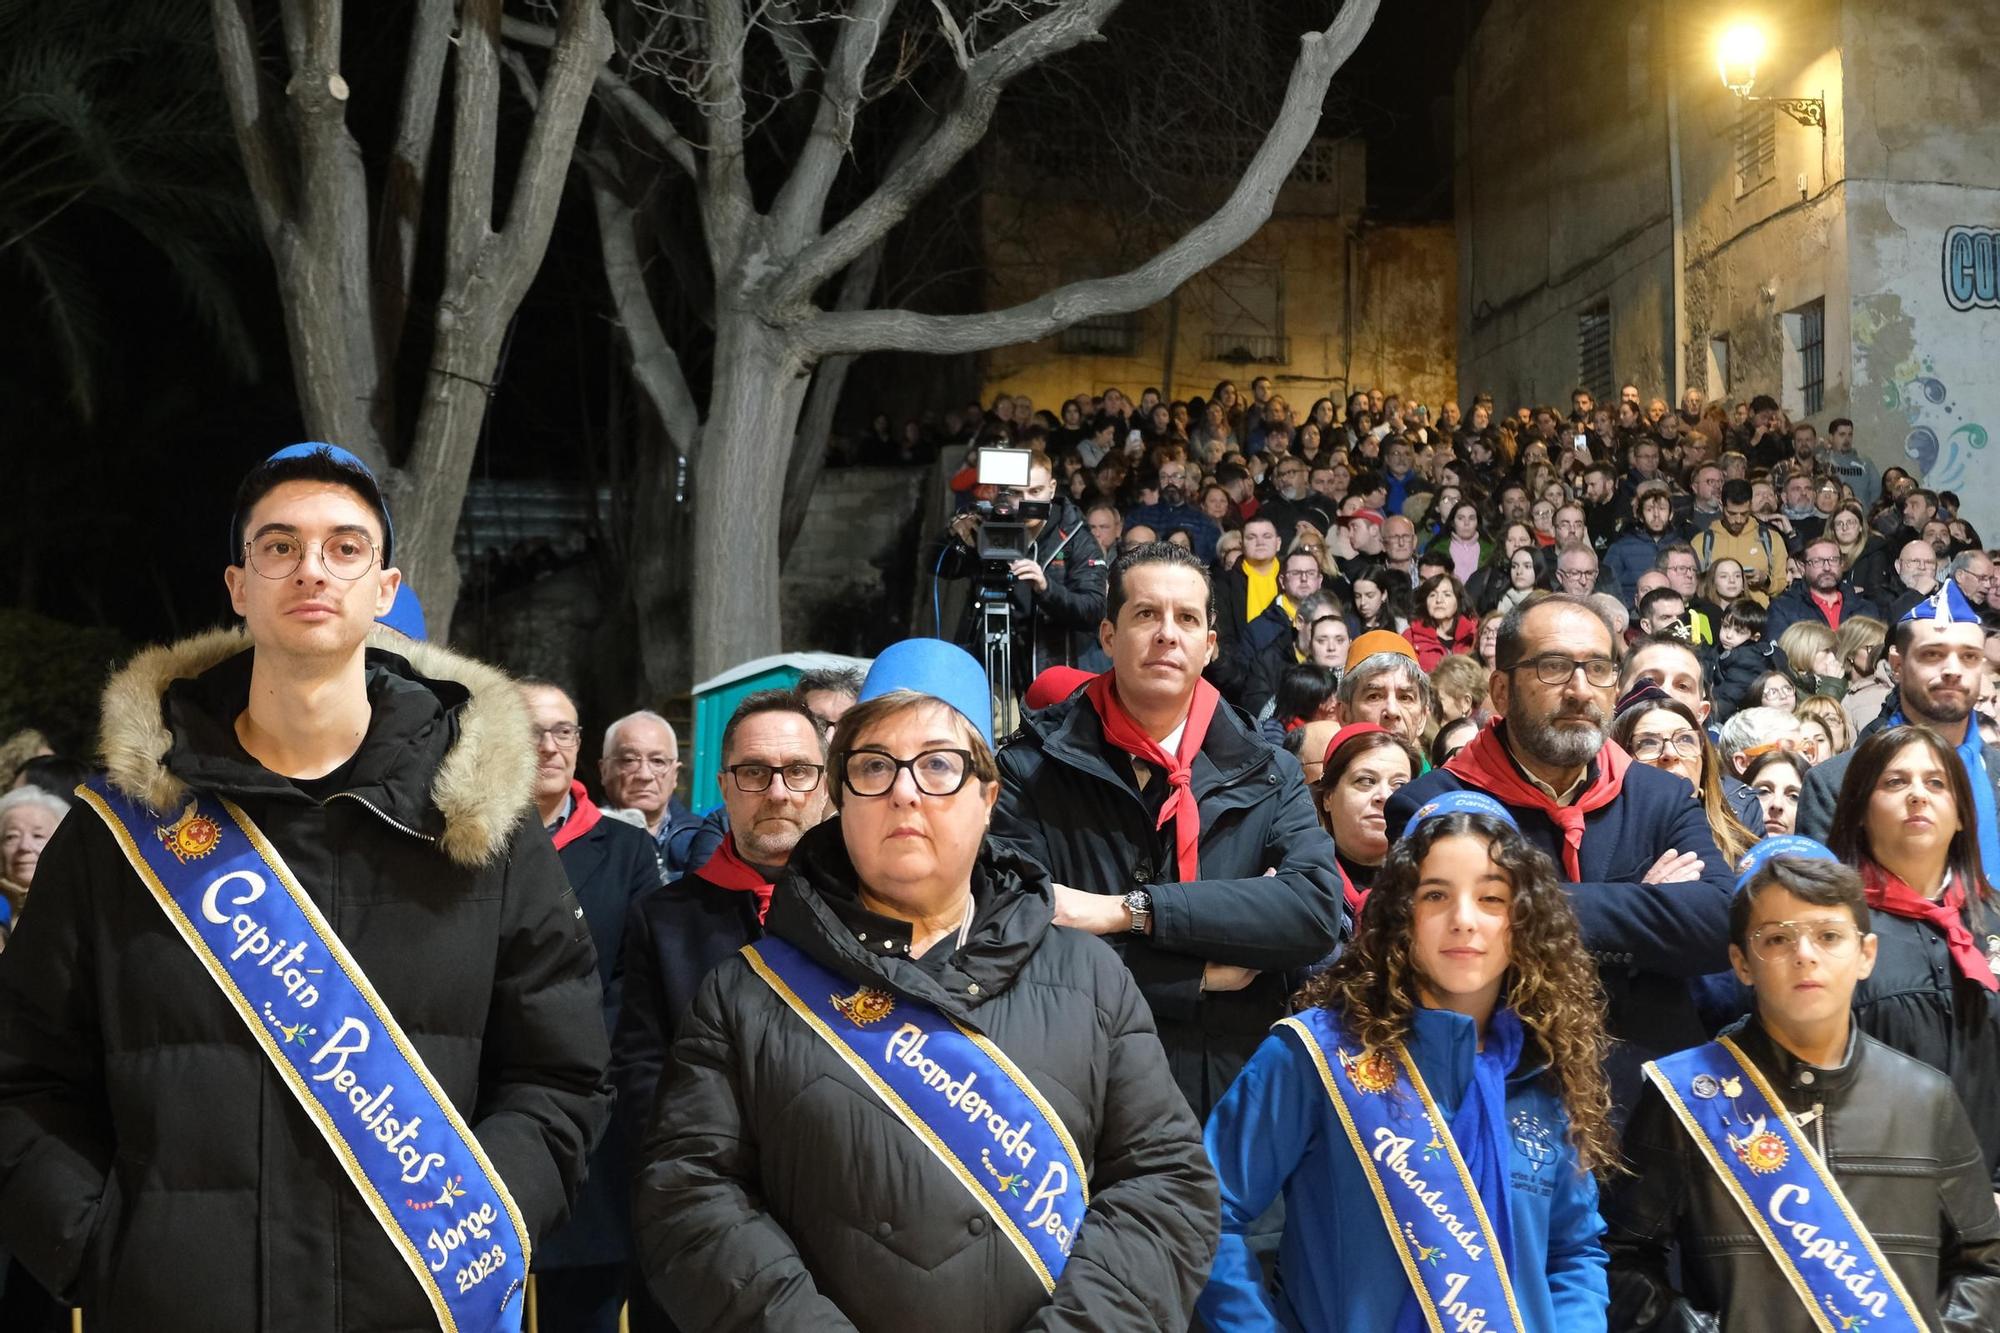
(181, 1044)
(773, 783)
(1636, 855)
(1804, 1171)
(581, 1268)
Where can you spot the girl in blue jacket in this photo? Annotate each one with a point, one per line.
(1466, 995)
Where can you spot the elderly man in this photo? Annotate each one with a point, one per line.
(639, 767)
(1752, 733)
(1649, 888)
(1399, 548)
(1173, 830)
(610, 865)
(1384, 685)
(1916, 577)
(1937, 658)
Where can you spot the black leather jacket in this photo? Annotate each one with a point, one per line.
(1896, 1138)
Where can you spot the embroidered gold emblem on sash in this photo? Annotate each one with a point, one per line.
(192, 836)
(1372, 1071)
(865, 1006)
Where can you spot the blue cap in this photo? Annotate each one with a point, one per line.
(1461, 802)
(406, 614)
(942, 670)
(1947, 606)
(1795, 845)
(345, 457)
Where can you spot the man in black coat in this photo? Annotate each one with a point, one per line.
(773, 783)
(155, 1167)
(1821, 595)
(1650, 890)
(609, 864)
(1172, 830)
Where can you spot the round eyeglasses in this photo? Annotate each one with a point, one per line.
(1829, 939)
(1648, 748)
(936, 772)
(278, 555)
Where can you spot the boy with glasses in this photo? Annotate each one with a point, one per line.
(1810, 1177)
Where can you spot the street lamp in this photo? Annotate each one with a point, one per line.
(1737, 52)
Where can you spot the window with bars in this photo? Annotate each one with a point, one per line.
(1101, 335)
(1812, 356)
(1593, 352)
(1756, 147)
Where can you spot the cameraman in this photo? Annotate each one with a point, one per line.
(1057, 586)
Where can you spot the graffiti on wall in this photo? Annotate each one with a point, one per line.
(1941, 438)
(1972, 268)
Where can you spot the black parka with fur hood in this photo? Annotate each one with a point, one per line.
(153, 1166)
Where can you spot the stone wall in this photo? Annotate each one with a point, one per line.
(848, 582)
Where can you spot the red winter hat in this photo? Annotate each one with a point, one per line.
(1055, 685)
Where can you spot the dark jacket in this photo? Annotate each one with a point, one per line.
(1795, 603)
(781, 1194)
(609, 868)
(1061, 623)
(675, 937)
(1895, 1138)
(1737, 670)
(1650, 940)
(1635, 552)
(1820, 791)
(1070, 803)
(154, 1167)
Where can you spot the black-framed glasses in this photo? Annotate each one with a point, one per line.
(1648, 748)
(564, 734)
(936, 772)
(1780, 939)
(1558, 668)
(278, 555)
(757, 777)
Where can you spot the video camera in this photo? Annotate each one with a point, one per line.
(1003, 520)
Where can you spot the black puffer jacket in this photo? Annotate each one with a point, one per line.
(1896, 1138)
(153, 1166)
(780, 1194)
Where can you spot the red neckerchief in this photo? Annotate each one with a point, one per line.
(1356, 898)
(1485, 763)
(1129, 736)
(1888, 894)
(727, 869)
(583, 816)
(1829, 609)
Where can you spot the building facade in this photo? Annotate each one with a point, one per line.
(1623, 217)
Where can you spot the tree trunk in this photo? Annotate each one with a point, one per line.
(809, 450)
(753, 414)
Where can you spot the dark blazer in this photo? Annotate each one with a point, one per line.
(609, 868)
(1795, 603)
(1069, 802)
(1649, 940)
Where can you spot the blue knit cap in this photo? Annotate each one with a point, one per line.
(1795, 845)
(942, 670)
(1461, 802)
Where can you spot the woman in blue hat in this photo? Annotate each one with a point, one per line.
(916, 1103)
(1433, 1114)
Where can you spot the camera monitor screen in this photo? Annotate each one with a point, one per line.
(1003, 467)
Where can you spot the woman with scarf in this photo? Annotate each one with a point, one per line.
(1464, 1021)
(1905, 820)
(1365, 765)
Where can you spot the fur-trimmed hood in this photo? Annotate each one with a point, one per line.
(481, 788)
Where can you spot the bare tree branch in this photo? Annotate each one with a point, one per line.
(475, 119)
(727, 205)
(796, 213)
(402, 204)
(621, 96)
(808, 459)
(252, 109)
(655, 367)
(1247, 208)
(957, 132)
(793, 47)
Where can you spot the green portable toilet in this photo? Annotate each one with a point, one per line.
(716, 698)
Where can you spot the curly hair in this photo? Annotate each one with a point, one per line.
(1551, 982)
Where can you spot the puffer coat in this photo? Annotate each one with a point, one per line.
(779, 1193)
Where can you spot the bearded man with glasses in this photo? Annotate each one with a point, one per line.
(1635, 853)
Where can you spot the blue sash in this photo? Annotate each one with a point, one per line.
(1781, 1185)
(957, 1092)
(1437, 1224)
(338, 1048)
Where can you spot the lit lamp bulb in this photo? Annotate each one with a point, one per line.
(1737, 54)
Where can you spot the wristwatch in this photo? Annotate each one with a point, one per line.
(1139, 903)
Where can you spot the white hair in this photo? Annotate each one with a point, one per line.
(643, 715)
(1751, 727)
(32, 795)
